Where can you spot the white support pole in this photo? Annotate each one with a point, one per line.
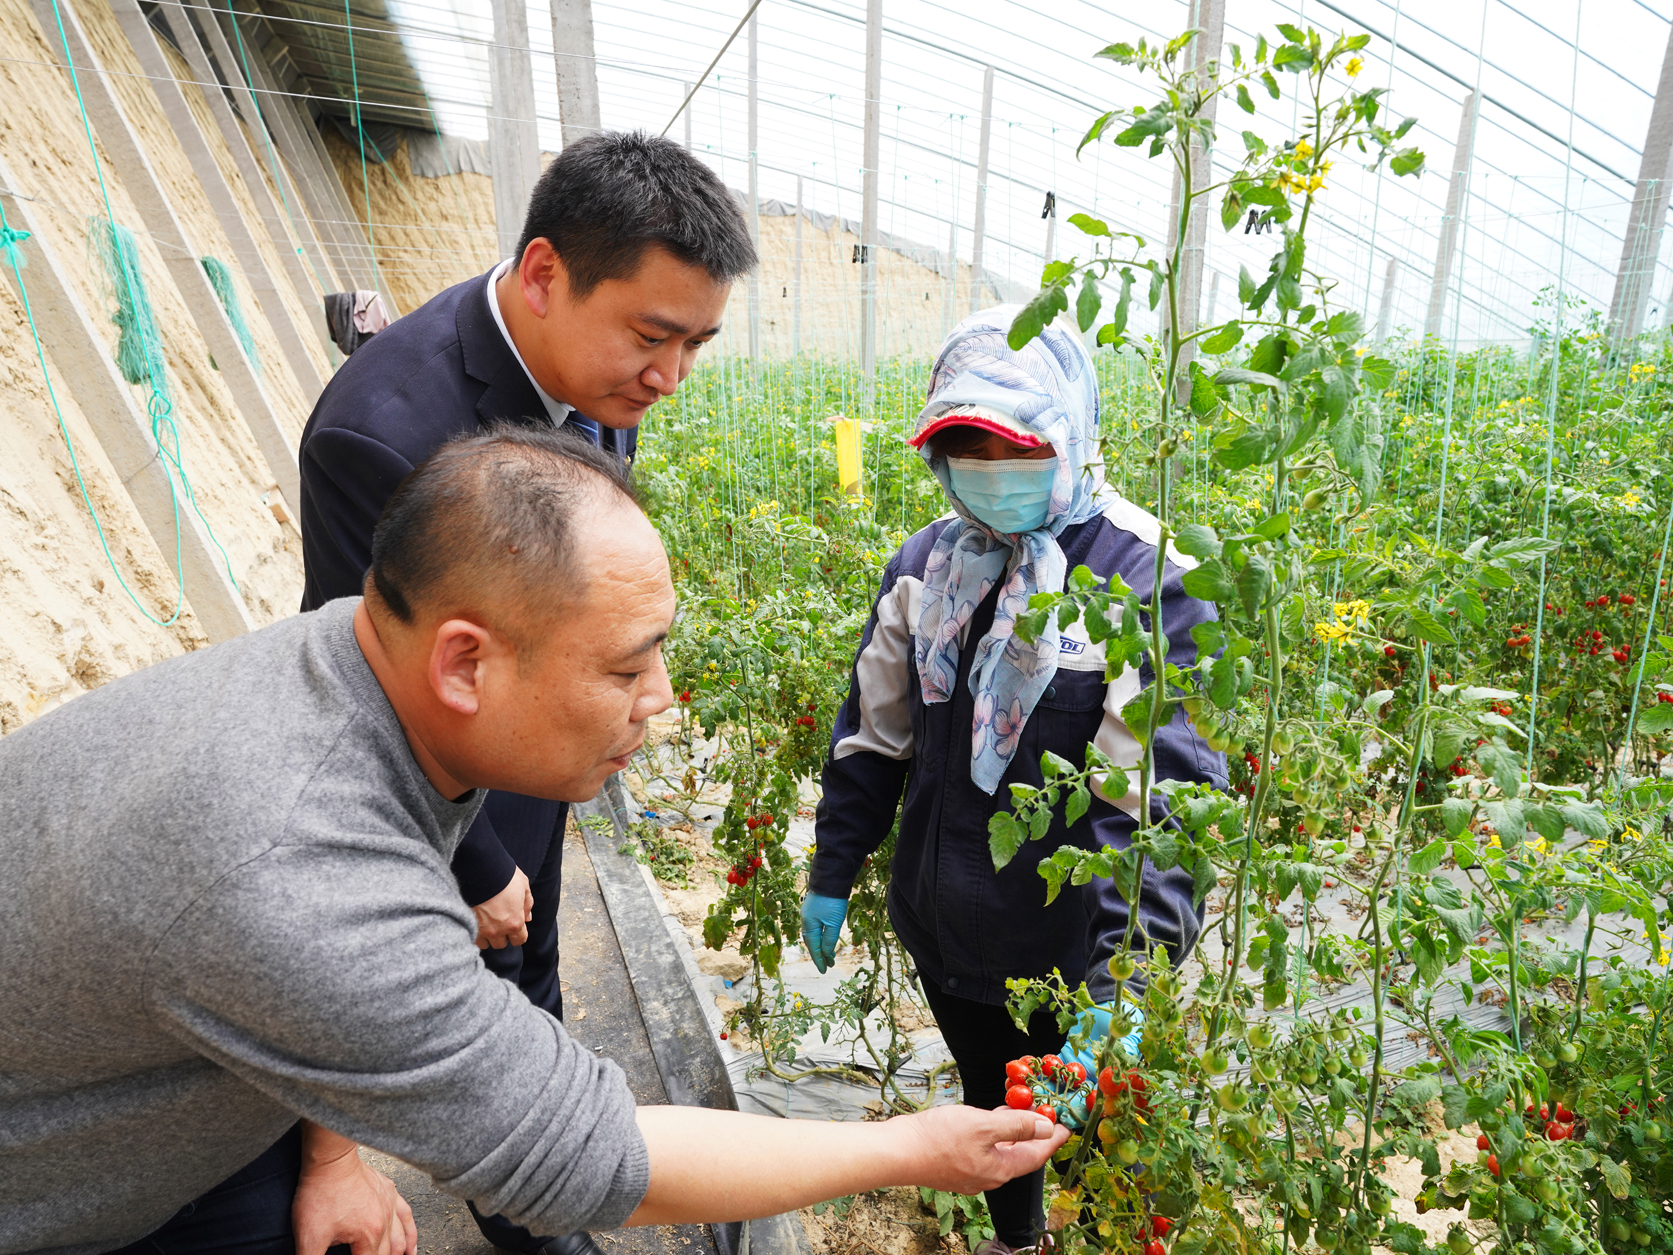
(950, 277)
(796, 314)
(127, 155)
(1049, 213)
(1462, 155)
(179, 22)
(513, 135)
(1213, 299)
(577, 64)
(868, 215)
(1209, 18)
(256, 118)
(754, 201)
(981, 191)
(320, 188)
(152, 63)
(122, 428)
(1641, 246)
(1387, 305)
(685, 91)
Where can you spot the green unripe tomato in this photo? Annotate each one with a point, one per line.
(1545, 1189)
(1260, 1035)
(1640, 1237)
(1127, 1151)
(1652, 1131)
(1458, 1240)
(1618, 1229)
(1262, 1072)
(1122, 966)
(1313, 822)
(1232, 1097)
(1213, 1061)
(1285, 1100)
(1339, 1031)
(1167, 448)
(1168, 982)
(1333, 1066)
(1545, 1059)
(1221, 741)
(1356, 1057)
(1327, 1239)
(1382, 1204)
(1282, 741)
(1567, 1052)
(1309, 1076)
(1315, 499)
(1194, 706)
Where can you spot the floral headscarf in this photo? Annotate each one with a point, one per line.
(1050, 388)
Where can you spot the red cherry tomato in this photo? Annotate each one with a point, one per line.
(1493, 1164)
(1019, 1098)
(1481, 1142)
(1049, 1064)
(1159, 1226)
(1154, 1247)
(1047, 1112)
(1076, 1071)
(1135, 1080)
(1016, 1070)
(1106, 1081)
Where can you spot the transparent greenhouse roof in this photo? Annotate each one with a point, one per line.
(1565, 96)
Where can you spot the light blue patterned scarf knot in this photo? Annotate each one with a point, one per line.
(1050, 388)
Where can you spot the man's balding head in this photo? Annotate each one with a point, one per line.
(514, 614)
(487, 525)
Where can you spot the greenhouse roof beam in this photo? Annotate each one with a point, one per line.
(1492, 100)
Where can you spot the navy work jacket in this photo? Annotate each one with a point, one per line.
(439, 372)
(967, 927)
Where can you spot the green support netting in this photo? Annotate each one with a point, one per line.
(220, 278)
(139, 348)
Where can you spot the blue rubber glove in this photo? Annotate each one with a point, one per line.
(1095, 1024)
(821, 924)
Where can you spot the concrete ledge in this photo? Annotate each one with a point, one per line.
(682, 1037)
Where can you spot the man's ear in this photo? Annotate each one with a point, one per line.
(542, 277)
(456, 674)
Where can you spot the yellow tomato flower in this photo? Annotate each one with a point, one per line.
(1303, 150)
(1353, 67)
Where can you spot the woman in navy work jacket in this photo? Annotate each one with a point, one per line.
(949, 704)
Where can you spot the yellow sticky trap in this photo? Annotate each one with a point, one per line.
(849, 471)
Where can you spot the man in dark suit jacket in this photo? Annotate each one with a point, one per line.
(627, 256)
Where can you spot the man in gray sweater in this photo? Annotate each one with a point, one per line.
(229, 906)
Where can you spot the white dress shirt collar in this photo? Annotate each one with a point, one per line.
(555, 408)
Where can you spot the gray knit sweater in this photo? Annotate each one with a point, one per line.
(227, 904)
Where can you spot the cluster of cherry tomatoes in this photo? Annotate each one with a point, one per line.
(1159, 1226)
(1559, 1127)
(1049, 1086)
(741, 875)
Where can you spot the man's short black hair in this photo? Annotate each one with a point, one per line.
(609, 197)
(486, 525)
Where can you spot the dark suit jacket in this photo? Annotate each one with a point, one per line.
(442, 370)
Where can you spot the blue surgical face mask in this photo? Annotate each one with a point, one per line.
(1011, 495)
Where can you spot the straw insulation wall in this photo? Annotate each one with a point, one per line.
(435, 232)
(65, 623)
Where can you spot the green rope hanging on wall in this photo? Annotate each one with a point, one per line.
(139, 348)
(220, 278)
